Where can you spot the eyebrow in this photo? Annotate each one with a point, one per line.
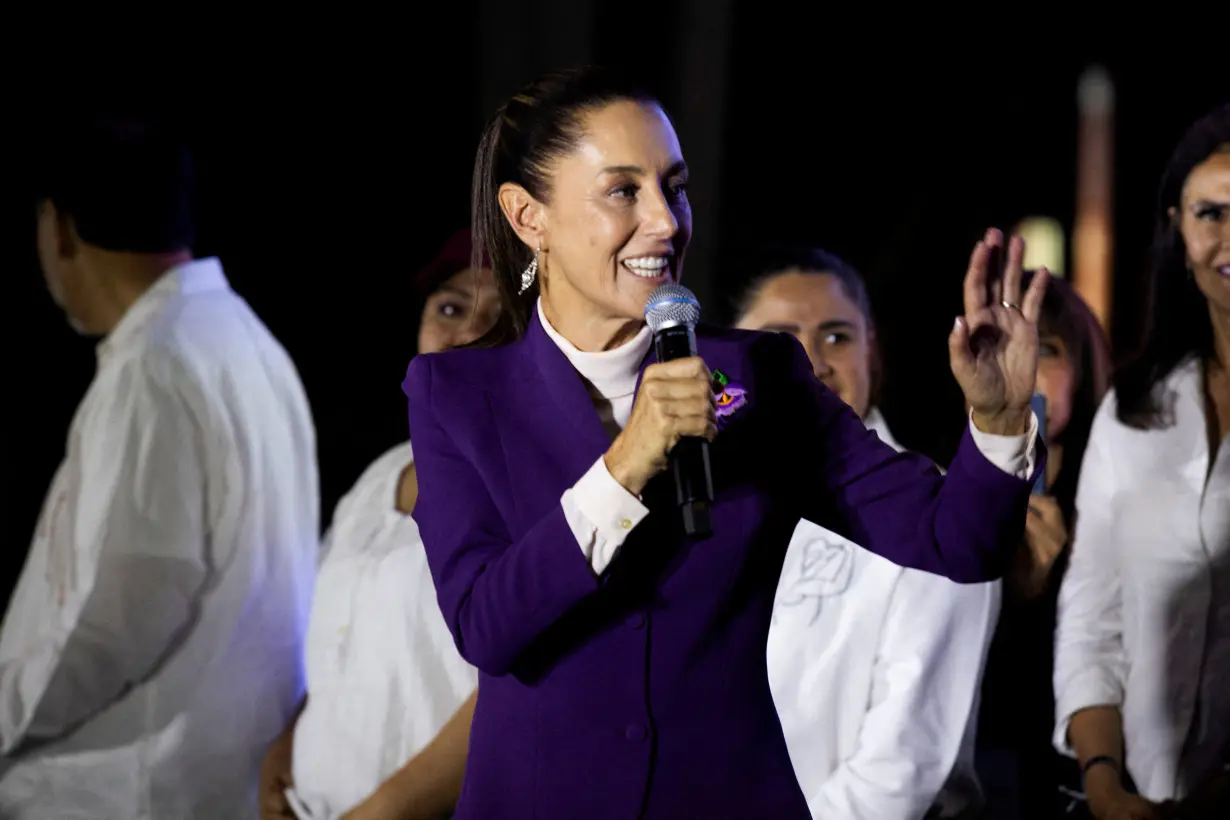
(832, 324)
(1210, 203)
(779, 328)
(456, 291)
(636, 170)
(837, 324)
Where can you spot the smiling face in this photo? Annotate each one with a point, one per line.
(816, 310)
(1204, 221)
(613, 225)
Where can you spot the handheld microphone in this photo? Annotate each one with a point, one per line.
(672, 313)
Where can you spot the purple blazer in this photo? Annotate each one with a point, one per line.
(643, 692)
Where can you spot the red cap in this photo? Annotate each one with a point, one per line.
(453, 257)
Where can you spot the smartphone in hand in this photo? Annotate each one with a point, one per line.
(1038, 405)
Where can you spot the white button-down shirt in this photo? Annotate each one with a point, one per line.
(152, 648)
(384, 675)
(1144, 609)
(875, 670)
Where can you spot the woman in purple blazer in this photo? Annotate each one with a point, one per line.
(622, 663)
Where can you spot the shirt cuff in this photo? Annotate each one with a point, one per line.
(601, 514)
(1015, 455)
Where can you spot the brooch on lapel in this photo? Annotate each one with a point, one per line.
(728, 396)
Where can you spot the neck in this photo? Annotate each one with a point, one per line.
(124, 278)
(585, 330)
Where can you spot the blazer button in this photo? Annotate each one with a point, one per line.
(636, 620)
(636, 733)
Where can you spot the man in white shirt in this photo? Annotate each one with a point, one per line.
(152, 648)
(875, 669)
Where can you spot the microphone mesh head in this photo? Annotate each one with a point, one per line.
(670, 305)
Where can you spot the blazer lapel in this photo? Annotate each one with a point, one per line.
(585, 439)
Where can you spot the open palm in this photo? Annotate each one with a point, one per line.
(993, 349)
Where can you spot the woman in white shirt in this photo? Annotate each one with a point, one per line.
(874, 668)
(1143, 639)
(385, 727)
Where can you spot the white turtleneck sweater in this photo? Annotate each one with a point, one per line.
(601, 513)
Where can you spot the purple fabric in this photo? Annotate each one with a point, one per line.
(643, 692)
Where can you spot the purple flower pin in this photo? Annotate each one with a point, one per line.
(729, 397)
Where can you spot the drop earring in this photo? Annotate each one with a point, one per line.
(527, 275)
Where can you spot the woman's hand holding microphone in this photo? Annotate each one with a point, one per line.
(675, 400)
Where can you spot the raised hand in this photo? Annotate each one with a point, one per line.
(993, 348)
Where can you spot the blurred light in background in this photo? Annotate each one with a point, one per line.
(1093, 233)
(1044, 244)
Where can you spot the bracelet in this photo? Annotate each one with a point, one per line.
(1099, 760)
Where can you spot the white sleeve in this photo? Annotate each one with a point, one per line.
(1090, 663)
(134, 536)
(601, 514)
(1015, 455)
(924, 693)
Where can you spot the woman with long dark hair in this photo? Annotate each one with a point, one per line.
(1143, 642)
(622, 662)
(1019, 768)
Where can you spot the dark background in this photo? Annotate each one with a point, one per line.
(327, 180)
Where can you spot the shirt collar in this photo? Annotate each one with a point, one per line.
(196, 276)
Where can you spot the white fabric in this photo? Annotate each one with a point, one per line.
(1144, 609)
(1015, 455)
(875, 671)
(383, 672)
(152, 649)
(601, 513)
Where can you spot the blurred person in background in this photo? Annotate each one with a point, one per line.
(153, 646)
(874, 668)
(384, 730)
(1019, 770)
(1142, 651)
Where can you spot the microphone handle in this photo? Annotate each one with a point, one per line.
(689, 460)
